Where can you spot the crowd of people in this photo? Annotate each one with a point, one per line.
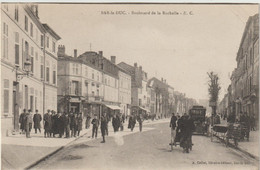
(61, 124)
(181, 131)
(70, 124)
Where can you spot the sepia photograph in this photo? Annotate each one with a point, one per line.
(129, 86)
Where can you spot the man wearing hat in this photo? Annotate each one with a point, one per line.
(22, 121)
(37, 118)
(28, 123)
(47, 123)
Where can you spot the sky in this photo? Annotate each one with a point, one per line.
(179, 48)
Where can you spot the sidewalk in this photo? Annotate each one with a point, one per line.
(249, 147)
(19, 152)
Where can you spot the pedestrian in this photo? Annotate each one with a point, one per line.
(252, 122)
(54, 128)
(47, 123)
(103, 126)
(73, 124)
(247, 124)
(95, 123)
(66, 124)
(132, 122)
(79, 124)
(121, 122)
(116, 122)
(173, 126)
(88, 121)
(22, 120)
(140, 121)
(60, 124)
(28, 124)
(37, 118)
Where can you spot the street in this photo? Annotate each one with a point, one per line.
(149, 149)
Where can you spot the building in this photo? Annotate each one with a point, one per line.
(243, 93)
(80, 84)
(124, 91)
(164, 100)
(28, 66)
(110, 78)
(140, 99)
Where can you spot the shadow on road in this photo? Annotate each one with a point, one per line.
(70, 157)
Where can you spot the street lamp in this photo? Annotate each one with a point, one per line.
(27, 66)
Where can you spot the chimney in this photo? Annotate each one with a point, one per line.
(113, 59)
(75, 53)
(61, 50)
(100, 53)
(135, 64)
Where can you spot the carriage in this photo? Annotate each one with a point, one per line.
(198, 114)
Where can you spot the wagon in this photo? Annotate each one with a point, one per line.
(226, 133)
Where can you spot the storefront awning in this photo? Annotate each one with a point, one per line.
(113, 107)
(144, 109)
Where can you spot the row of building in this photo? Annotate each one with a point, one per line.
(36, 73)
(243, 92)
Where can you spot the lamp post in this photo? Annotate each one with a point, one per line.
(27, 70)
(18, 76)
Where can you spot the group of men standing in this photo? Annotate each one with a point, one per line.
(54, 123)
(66, 124)
(27, 119)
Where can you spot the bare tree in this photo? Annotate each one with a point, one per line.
(213, 88)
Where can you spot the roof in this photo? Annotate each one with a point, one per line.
(127, 67)
(51, 31)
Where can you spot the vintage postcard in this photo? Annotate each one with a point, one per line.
(147, 86)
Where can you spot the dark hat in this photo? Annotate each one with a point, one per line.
(36, 110)
(29, 110)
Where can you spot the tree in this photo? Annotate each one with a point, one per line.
(213, 88)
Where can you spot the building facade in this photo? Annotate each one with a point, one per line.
(243, 93)
(23, 71)
(140, 96)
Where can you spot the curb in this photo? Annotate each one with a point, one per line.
(239, 149)
(60, 148)
(52, 153)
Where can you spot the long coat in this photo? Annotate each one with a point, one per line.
(37, 118)
(103, 125)
(60, 124)
(116, 123)
(79, 123)
(47, 122)
(22, 121)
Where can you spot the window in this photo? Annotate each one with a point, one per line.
(47, 42)
(32, 64)
(37, 34)
(54, 77)
(42, 71)
(53, 47)
(97, 92)
(16, 13)
(47, 74)
(75, 68)
(75, 87)
(31, 30)
(97, 76)
(16, 48)
(26, 23)
(6, 96)
(93, 76)
(5, 40)
(41, 40)
(250, 84)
